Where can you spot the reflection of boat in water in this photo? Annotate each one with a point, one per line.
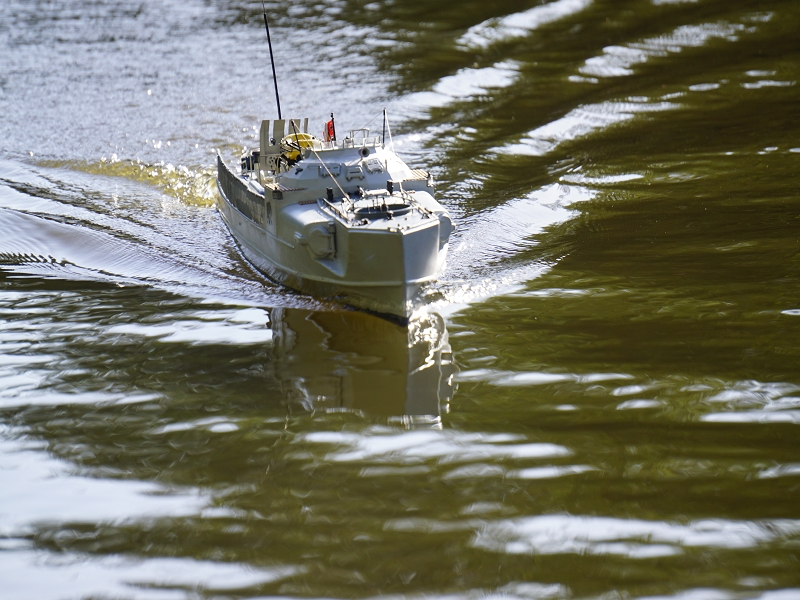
(354, 361)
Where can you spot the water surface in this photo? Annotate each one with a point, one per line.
(601, 400)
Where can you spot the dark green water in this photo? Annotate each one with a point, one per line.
(602, 402)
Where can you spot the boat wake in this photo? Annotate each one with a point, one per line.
(490, 253)
(68, 225)
(193, 186)
(126, 223)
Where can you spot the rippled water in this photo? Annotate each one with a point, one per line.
(602, 400)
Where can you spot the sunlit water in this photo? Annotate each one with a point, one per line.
(601, 400)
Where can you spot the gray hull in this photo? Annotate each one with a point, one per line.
(376, 266)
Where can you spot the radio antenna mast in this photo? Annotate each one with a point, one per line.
(272, 60)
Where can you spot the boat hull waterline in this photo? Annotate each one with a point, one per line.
(372, 244)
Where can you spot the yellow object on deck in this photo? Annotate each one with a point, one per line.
(292, 144)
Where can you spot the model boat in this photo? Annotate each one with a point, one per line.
(343, 219)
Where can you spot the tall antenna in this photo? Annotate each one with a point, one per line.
(272, 60)
(383, 137)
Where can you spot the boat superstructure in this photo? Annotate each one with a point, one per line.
(343, 219)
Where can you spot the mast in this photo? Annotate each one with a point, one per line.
(272, 60)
